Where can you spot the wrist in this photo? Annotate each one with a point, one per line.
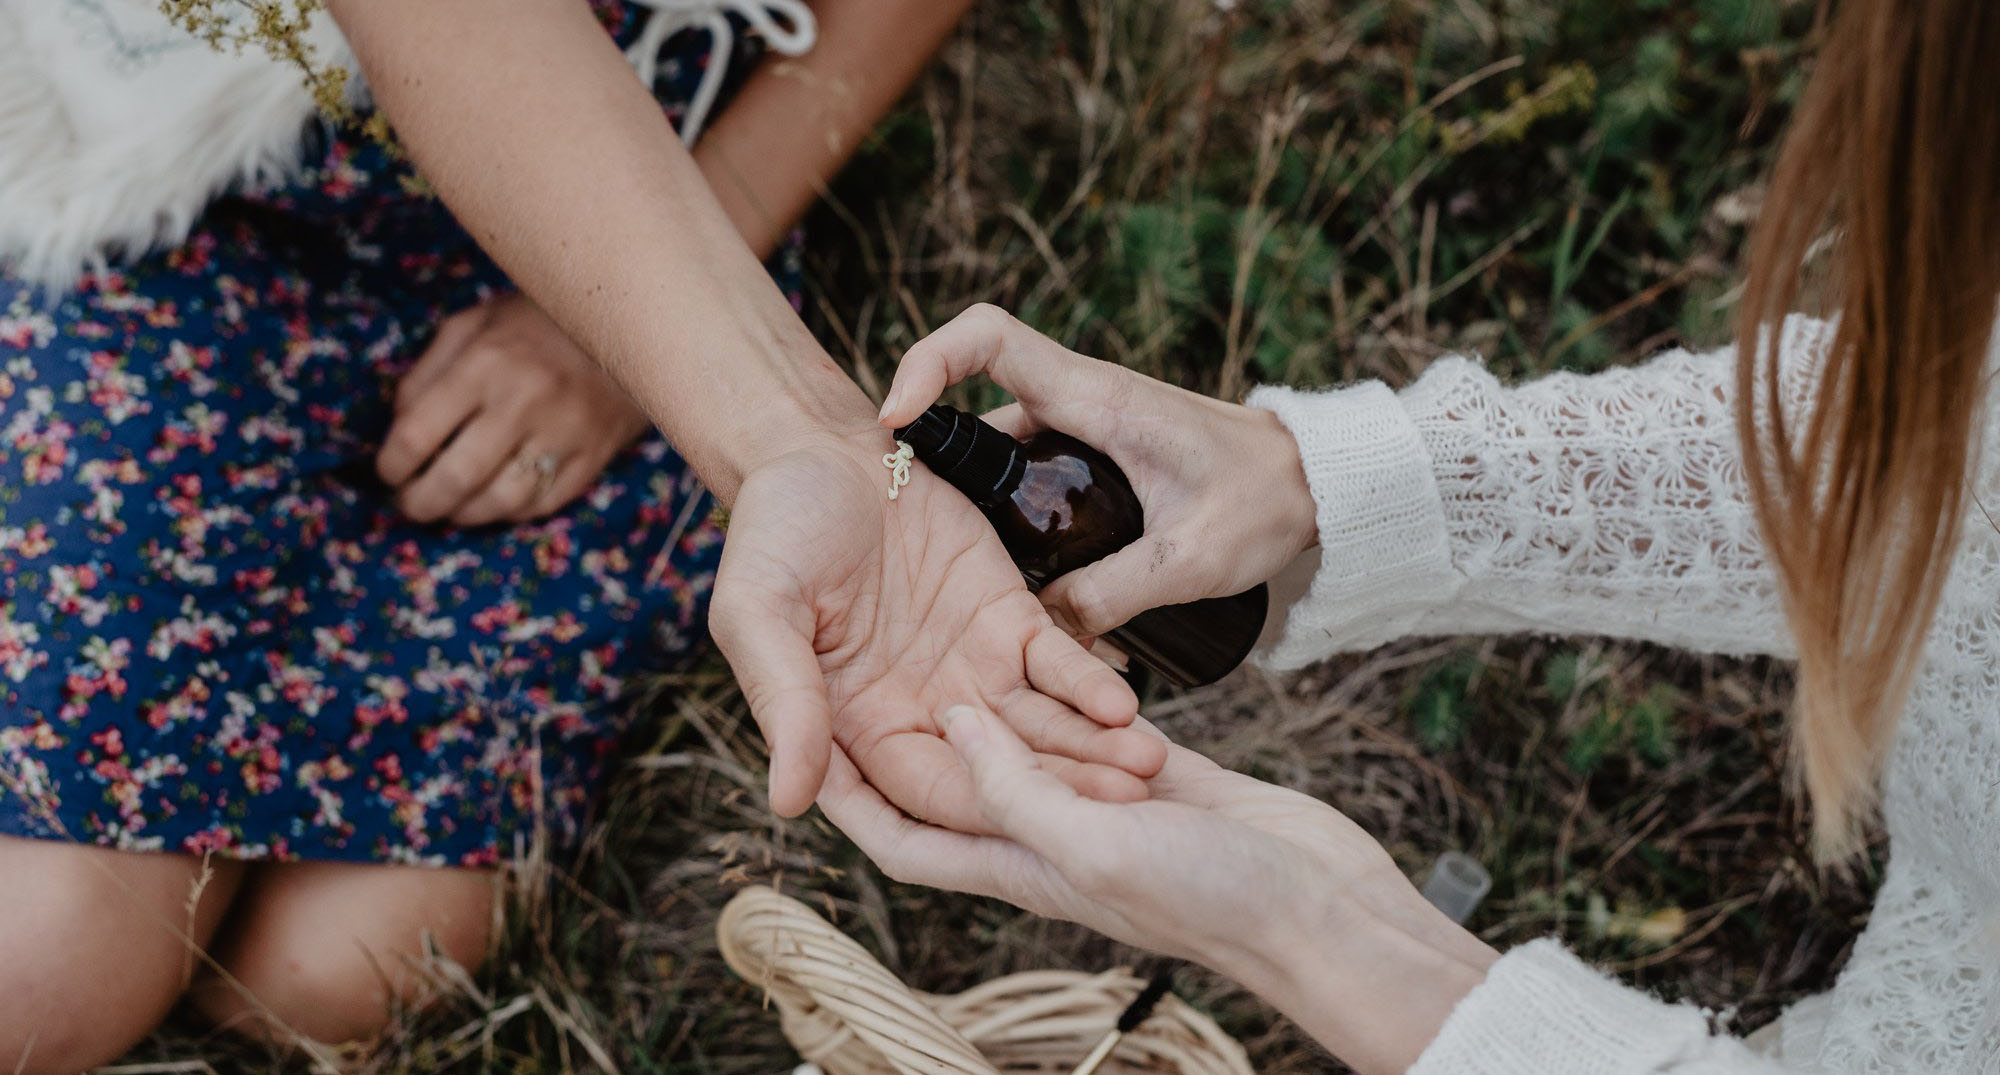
(786, 428)
(1294, 515)
(1371, 971)
(769, 391)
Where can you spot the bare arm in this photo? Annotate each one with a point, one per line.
(532, 128)
(460, 417)
(848, 620)
(797, 121)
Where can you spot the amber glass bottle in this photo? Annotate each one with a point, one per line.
(1059, 504)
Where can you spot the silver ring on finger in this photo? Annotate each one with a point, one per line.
(542, 466)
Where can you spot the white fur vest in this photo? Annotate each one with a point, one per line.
(117, 128)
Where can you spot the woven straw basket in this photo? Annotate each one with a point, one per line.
(845, 1012)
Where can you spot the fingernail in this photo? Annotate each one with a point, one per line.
(961, 727)
(888, 405)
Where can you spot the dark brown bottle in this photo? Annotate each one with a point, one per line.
(1059, 504)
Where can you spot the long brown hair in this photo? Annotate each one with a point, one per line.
(1888, 189)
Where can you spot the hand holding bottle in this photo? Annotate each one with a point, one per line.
(1059, 505)
(1225, 497)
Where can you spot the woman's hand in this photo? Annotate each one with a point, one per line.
(1265, 885)
(1226, 500)
(502, 419)
(852, 622)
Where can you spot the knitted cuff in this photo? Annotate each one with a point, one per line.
(1384, 557)
(1541, 1011)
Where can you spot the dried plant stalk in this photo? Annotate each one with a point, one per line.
(277, 27)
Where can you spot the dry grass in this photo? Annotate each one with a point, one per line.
(1298, 191)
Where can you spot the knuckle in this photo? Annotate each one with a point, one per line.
(404, 442)
(988, 313)
(576, 422)
(483, 354)
(988, 318)
(449, 478)
(1089, 607)
(1093, 875)
(534, 381)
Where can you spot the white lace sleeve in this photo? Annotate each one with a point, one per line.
(1611, 504)
(1543, 1012)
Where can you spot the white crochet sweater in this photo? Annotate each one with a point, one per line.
(1615, 505)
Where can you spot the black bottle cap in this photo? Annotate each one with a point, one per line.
(979, 460)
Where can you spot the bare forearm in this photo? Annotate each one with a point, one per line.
(1372, 975)
(534, 131)
(798, 120)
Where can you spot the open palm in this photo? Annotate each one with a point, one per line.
(853, 622)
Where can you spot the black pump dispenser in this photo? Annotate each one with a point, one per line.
(980, 461)
(1059, 504)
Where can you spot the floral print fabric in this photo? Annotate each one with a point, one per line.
(216, 632)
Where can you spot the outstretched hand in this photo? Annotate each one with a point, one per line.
(852, 622)
(1268, 886)
(1215, 865)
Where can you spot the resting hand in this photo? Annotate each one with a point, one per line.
(846, 615)
(1225, 498)
(1265, 885)
(502, 419)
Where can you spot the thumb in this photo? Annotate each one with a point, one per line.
(771, 651)
(1100, 596)
(1044, 375)
(1021, 800)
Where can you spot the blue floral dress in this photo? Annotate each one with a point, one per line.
(216, 632)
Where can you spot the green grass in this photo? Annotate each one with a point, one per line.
(1290, 191)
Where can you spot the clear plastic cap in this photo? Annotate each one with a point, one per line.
(1456, 884)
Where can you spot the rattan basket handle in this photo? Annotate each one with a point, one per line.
(847, 1013)
(824, 983)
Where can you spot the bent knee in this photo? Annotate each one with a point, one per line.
(322, 958)
(304, 1001)
(88, 961)
(74, 1007)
